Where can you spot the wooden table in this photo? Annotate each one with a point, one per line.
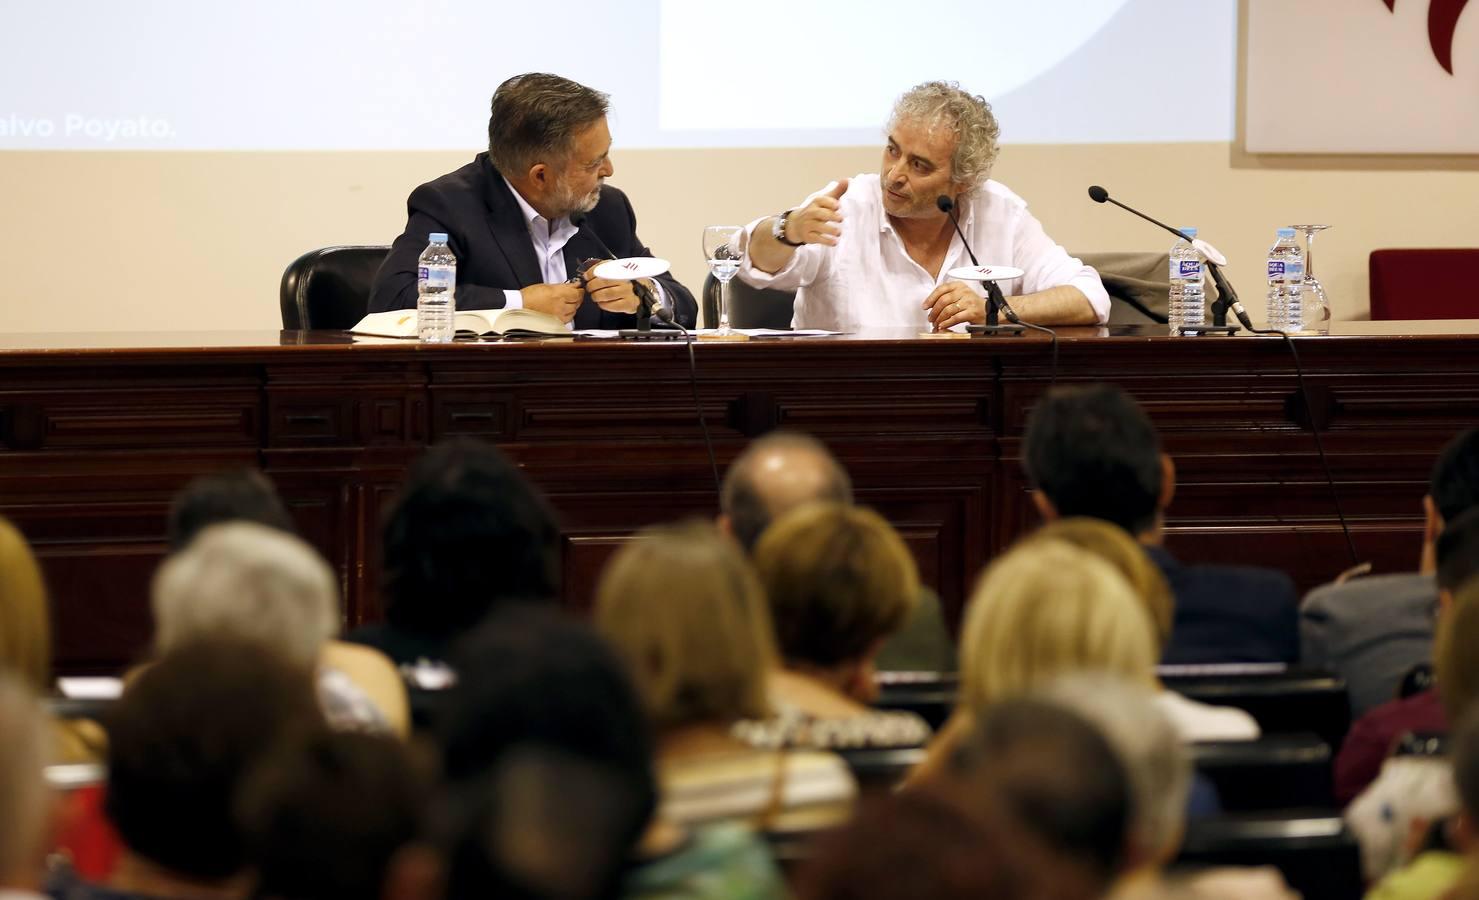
(97, 431)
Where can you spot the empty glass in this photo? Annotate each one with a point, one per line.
(1316, 304)
(724, 248)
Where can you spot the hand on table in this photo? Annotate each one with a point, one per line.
(954, 302)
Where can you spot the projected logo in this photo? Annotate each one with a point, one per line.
(1442, 23)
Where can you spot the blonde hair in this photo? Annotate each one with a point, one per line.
(247, 581)
(1045, 609)
(25, 617)
(839, 579)
(1456, 665)
(24, 754)
(1114, 545)
(685, 610)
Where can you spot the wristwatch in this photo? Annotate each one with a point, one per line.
(778, 229)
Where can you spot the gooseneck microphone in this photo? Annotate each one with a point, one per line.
(650, 306)
(1227, 298)
(995, 300)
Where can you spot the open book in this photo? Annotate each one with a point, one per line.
(401, 323)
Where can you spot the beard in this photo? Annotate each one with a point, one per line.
(571, 202)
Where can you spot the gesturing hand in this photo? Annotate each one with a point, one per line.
(819, 219)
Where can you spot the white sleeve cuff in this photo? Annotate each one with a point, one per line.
(513, 300)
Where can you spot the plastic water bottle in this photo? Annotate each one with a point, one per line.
(436, 287)
(1188, 305)
(1285, 283)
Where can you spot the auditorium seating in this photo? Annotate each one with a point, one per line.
(879, 769)
(1317, 855)
(1278, 771)
(329, 288)
(1423, 283)
(1285, 702)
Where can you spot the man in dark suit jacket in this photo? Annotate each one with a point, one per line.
(1092, 451)
(508, 216)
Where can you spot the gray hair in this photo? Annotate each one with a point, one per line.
(943, 104)
(24, 754)
(247, 581)
(535, 117)
(1148, 747)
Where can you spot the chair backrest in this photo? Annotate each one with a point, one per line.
(1424, 283)
(881, 769)
(1316, 854)
(749, 307)
(1138, 284)
(329, 288)
(1280, 771)
(1291, 702)
(929, 695)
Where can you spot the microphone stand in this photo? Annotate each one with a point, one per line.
(995, 300)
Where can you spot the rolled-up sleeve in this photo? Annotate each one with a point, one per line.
(802, 269)
(1046, 264)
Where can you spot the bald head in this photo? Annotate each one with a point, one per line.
(776, 474)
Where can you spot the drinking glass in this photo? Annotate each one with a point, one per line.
(724, 247)
(1320, 320)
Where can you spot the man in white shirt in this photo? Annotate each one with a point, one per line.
(876, 250)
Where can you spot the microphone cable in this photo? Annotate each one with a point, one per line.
(698, 406)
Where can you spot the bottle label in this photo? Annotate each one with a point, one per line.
(1186, 269)
(435, 277)
(1276, 270)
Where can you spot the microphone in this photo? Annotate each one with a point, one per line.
(649, 302)
(1227, 298)
(995, 300)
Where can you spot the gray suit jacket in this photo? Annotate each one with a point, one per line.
(1370, 631)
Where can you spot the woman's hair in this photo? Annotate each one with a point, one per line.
(1046, 609)
(839, 579)
(1456, 665)
(1115, 546)
(25, 618)
(686, 612)
(250, 582)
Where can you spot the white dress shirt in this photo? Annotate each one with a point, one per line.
(549, 240)
(869, 280)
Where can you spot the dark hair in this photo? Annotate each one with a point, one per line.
(535, 117)
(921, 844)
(543, 734)
(245, 495)
(752, 503)
(1093, 451)
(467, 533)
(1055, 774)
(181, 740)
(1454, 484)
(1458, 550)
(324, 818)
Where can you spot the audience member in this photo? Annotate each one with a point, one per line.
(784, 470)
(249, 581)
(1453, 843)
(1373, 736)
(924, 845)
(245, 495)
(1193, 721)
(25, 805)
(467, 534)
(334, 817)
(25, 642)
(1092, 451)
(181, 740)
(545, 738)
(686, 612)
(1373, 631)
(840, 581)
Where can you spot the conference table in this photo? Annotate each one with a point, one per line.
(97, 431)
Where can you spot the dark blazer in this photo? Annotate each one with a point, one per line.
(486, 230)
(1230, 613)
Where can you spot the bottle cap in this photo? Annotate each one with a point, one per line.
(438, 237)
(1190, 232)
(1286, 233)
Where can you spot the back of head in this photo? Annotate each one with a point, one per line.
(942, 104)
(24, 796)
(839, 580)
(1458, 551)
(324, 818)
(181, 739)
(1454, 485)
(245, 495)
(25, 616)
(776, 474)
(684, 609)
(535, 117)
(1113, 545)
(1455, 664)
(1054, 773)
(1154, 759)
(1046, 609)
(247, 581)
(1092, 451)
(549, 759)
(1464, 753)
(920, 844)
(467, 533)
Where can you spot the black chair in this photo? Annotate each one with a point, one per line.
(1289, 702)
(1315, 852)
(749, 307)
(1281, 771)
(94, 708)
(930, 695)
(881, 769)
(329, 288)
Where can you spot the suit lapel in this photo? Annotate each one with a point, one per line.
(510, 232)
